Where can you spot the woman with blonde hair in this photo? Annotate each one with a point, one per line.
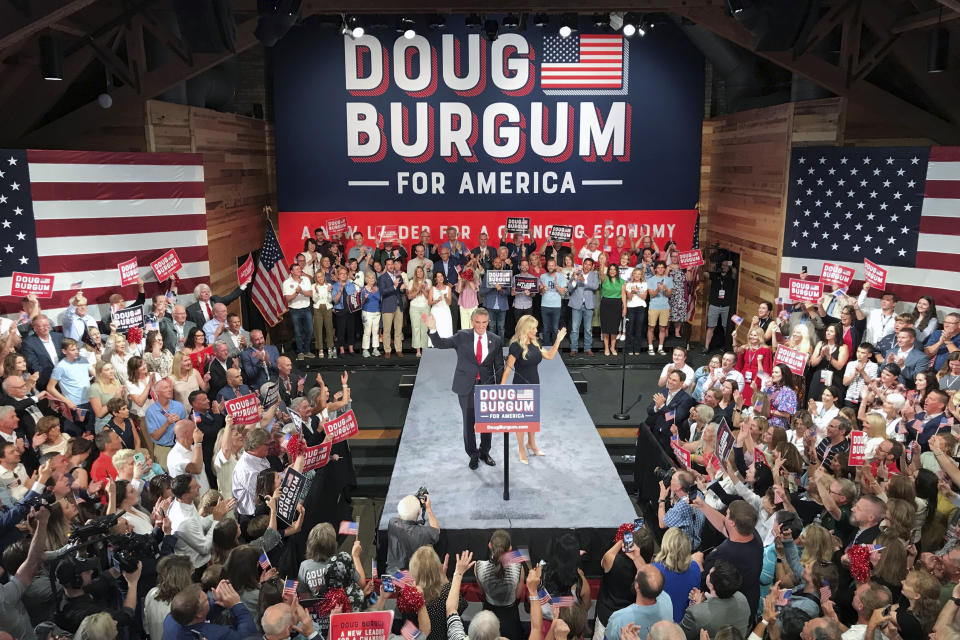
(97, 626)
(56, 441)
(755, 361)
(524, 362)
(158, 359)
(635, 302)
(680, 575)
(174, 573)
(431, 581)
(800, 339)
(876, 428)
(105, 386)
(118, 353)
(817, 544)
(417, 293)
(322, 314)
(186, 379)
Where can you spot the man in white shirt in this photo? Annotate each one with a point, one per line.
(194, 532)
(176, 330)
(879, 321)
(866, 599)
(217, 324)
(236, 337)
(251, 463)
(14, 479)
(679, 364)
(75, 318)
(186, 456)
(296, 292)
(728, 372)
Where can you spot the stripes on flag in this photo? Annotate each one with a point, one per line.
(77, 214)
(516, 556)
(409, 631)
(592, 61)
(267, 288)
(404, 578)
(290, 588)
(562, 601)
(348, 528)
(543, 597)
(264, 562)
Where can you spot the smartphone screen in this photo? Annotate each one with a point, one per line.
(387, 583)
(139, 458)
(628, 541)
(638, 524)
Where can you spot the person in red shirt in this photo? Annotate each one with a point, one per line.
(108, 442)
(754, 362)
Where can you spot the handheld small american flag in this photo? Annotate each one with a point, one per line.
(196, 417)
(76, 285)
(737, 320)
(264, 562)
(348, 528)
(562, 601)
(373, 570)
(290, 588)
(409, 631)
(758, 405)
(514, 557)
(543, 597)
(404, 578)
(669, 416)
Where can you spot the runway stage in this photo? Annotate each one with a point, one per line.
(575, 486)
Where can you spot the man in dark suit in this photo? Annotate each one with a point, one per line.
(202, 310)
(218, 370)
(671, 398)
(479, 359)
(42, 349)
(447, 265)
(211, 422)
(176, 330)
(929, 422)
(234, 388)
(289, 382)
(259, 361)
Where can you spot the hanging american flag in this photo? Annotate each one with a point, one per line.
(267, 289)
(898, 207)
(690, 292)
(77, 214)
(583, 62)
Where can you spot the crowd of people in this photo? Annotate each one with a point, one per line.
(346, 295)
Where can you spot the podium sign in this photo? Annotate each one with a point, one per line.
(506, 408)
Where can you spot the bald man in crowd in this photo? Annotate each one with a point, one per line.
(235, 387)
(186, 456)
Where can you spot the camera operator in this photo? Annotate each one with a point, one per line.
(13, 514)
(723, 279)
(13, 615)
(83, 595)
(681, 491)
(405, 534)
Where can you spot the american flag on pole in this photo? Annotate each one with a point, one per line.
(267, 289)
(562, 601)
(897, 206)
(264, 562)
(588, 61)
(77, 214)
(543, 596)
(348, 528)
(290, 588)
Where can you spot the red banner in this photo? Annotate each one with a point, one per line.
(875, 275)
(245, 409)
(129, 272)
(836, 275)
(23, 284)
(369, 625)
(316, 457)
(805, 290)
(336, 226)
(166, 265)
(795, 360)
(681, 454)
(245, 271)
(858, 449)
(341, 427)
(661, 226)
(691, 258)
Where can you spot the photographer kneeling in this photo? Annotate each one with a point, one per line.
(681, 514)
(84, 595)
(406, 534)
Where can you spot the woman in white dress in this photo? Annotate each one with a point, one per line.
(440, 298)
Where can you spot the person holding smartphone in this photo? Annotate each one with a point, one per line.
(620, 565)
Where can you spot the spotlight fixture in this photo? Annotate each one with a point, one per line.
(568, 25)
(492, 29)
(355, 26)
(541, 19)
(736, 6)
(473, 22)
(437, 21)
(51, 58)
(511, 21)
(601, 20)
(938, 48)
(630, 22)
(407, 26)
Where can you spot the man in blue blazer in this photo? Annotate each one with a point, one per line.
(929, 422)
(671, 398)
(42, 350)
(258, 361)
(912, 360)
(479, 360)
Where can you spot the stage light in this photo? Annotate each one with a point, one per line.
(568, 25)
(408, 27)
(105, 100)
(511, 21)
(601, 21)
(736, 6)
(355, 26)
(630, 23)
(641, 31)
(473, 22)
(51, 58)
(492, 29)
(437, 21)
(541, 19)
(938, 48)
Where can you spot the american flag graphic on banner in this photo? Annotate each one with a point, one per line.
(897, 206)
(267, 289)
(76, 215)
(525, 394)
(594, 61)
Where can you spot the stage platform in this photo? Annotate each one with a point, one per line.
(575, 486)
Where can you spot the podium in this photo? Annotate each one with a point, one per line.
(506, 409)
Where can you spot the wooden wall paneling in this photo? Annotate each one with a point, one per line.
(818, 122)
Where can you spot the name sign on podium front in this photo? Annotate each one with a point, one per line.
(506, 408)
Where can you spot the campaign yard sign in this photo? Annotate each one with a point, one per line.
(805, 290)
(336, 226)
(166, 265)
(316, 456)
(23, 284)
(692, 258)
(795, 360)
(245, 271)
(526, 283)
(858, 448)
(368, 625)
(875, 275)
(682, 455)
(724, 441)
(388, 233)
(291, 488)
(507, 408)
(341, 427)
(518, 225)
(129, 272)
(245, 409)
(561, 233)
(836, 275)
(129, 317)
(502, 277)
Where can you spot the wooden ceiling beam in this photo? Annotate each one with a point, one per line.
(950, 4)
(18, 26)
(825, 26)
(831, 77)
(311, 7)
(924, 20)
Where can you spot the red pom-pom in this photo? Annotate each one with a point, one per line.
(334, 598)
(409, 600)
(859, 555)
(467, 274)
(293, 445)
(622, 529)
(134, 335)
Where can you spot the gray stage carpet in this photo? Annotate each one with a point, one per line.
(575, 485)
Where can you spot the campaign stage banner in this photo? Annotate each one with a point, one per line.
(506, 408)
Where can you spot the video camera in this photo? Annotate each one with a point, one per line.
(421, 495)
(720, 254)
(128, 548)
